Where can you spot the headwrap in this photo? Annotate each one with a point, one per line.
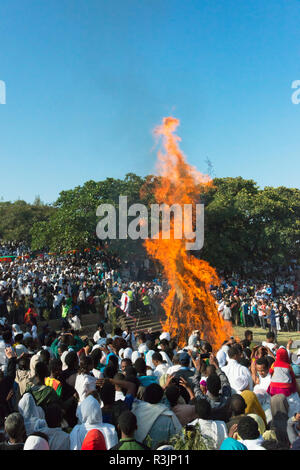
(166, 336)
(260, 422)
(165, 447)
(282, 359)
(36, 443)
(283, 377)
(241, 383)
(253, 405)
(149, 362)
(17, 329)
(280, 409)
(127, 353)
(89, 415)
(30, 412)
(62, 358)
(94, 440)
(279, 404)
(135, 356)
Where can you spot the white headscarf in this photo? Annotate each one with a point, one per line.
(127, 353)
(36, 443)
(58, 439)
(166, 358)
(166, 336)
(17, 329)
(241, 383)
(90, 415)
(135, 355)
(30, 412)
(149, 362)
(143, 348)
(63, 361)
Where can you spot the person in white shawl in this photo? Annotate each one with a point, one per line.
(149, 362)
(30, 412)
(135, 355)
(62, 358)
(51, 426)
(154, 419)
(127, 353)
(213, 431)
(265, 400)
(36, 443)
(90, 416)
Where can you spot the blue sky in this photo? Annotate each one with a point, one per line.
(88, 80)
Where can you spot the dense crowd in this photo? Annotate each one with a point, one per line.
(13, 248)
(266, 305)
(71, 286)
(122, 389)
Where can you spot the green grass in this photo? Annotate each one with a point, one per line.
(259, 335)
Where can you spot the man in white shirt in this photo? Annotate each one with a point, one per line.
(160, 366)
(222, 356)
(260, 373)
(233, 370)
(247, 429)
(97, 334)
(125, 303)
(226, 312)
(176, 365)
(270, 343)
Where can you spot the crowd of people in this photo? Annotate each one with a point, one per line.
(13, 248)
(48, 287)
(137, 392)
(121, 389)
(261, 304)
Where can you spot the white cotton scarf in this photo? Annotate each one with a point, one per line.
(90, 415)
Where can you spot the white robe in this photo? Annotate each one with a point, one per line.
(234, 371)
(146, 415)
(30, 412)
(58, 439)
(84, 384)
(215, 432)
(90, 415)
(253, 444)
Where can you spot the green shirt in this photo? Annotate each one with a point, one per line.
(130, 295)
(65, 311)
(129, 444)
(146, 300)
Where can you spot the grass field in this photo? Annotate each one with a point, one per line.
(259, 335)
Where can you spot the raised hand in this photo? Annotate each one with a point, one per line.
(9, 353)
(213, 361)
(233, 431)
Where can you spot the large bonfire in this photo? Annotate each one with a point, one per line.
(189, 305)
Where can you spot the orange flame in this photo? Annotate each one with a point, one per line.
(189, 305)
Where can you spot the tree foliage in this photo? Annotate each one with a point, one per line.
(17, 219)
(245, 226)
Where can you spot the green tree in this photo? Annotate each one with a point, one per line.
(17, 218)
(246, 227)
